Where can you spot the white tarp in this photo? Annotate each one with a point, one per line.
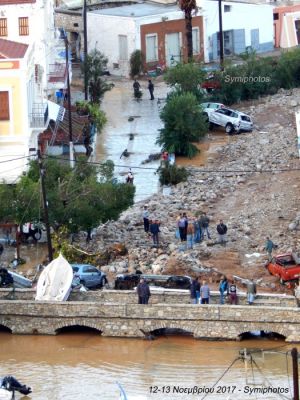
(53, 110)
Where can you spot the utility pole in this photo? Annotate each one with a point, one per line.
(45, 205)
(71, 146)
(221, 36)
(294, 354)
(85, 49)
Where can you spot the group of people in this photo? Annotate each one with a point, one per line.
(137, 89)
(151, 226)
(200, 294)
(193, 230)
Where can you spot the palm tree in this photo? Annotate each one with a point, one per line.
(188, 6)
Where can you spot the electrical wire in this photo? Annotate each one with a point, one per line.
(269, 382)
(226, 370)
(17, 158)
(236, 171)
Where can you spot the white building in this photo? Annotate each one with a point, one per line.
(156, 29)
(244, 25)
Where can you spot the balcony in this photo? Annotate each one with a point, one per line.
(57, 73)
(39, 116)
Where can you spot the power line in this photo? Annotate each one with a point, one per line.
(236, 171)
(18, 158)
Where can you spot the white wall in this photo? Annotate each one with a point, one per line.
(103, 31)
(242, 16)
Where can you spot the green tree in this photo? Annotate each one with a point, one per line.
(136, 63)
(171, 174)
(184, 123)
(94, 68)
(79, 199)
(186, 78)
(188, 6)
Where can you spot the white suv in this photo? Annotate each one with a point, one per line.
(231, 120)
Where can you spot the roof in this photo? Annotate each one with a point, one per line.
(7, 2)
(10, 49)
(137, 10)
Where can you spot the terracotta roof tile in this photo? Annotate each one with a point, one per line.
(7, 2)
(10, 49)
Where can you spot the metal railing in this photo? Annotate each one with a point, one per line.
(39, 115)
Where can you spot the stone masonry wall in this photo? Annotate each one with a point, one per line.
(132, 320)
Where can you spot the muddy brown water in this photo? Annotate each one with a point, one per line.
(84, 365)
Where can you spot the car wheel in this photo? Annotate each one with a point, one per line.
(82, 282)
(211, 126)
(229, 129)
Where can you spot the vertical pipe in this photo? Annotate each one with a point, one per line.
(45, 205)
(294, 354)
(85, 49)
(71, 148)
(221, 36)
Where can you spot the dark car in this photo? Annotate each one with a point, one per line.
(88, 275)
(129, 281)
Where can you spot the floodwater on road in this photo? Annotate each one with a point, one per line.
(84, 365)
(119, 105)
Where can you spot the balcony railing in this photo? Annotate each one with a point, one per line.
(57, 72)
(39, 115)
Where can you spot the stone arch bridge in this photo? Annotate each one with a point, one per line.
(132, 320)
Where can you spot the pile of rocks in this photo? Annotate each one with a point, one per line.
(251, 182)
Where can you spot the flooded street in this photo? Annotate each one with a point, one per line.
(119, 105)
(77, 366)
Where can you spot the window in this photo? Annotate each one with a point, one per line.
(23, 26)
(275, 16)
(4, 106)
(227, 8)
(3, 26)
(196, 41)
(123, 48)
(151, 48)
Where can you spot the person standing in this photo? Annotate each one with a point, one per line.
(251, 291)
(146, 219)
(269, 246)
(182, 225)
(204, 293)
(190, 232)
(223, 289)
(233, 293)
(197, 234)
(154, 230)
(143, 291)
(151, 89)
(204, 223)
(222, 230)
(195, 291)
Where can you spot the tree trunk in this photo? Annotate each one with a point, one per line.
(189, 34)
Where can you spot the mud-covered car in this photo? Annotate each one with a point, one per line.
(285, 266)
(130, 281)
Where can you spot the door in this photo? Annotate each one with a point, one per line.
(255, 39)
(172, 48)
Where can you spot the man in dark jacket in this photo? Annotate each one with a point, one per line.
(195, 291)
(143, 292)
(151, 89)
(154, 230)
(222, 230)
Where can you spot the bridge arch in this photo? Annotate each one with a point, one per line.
(79, 323)
(169, 326)
(5, 328)
(278, 330)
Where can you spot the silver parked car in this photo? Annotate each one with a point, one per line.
(88, 275)
(231, 120)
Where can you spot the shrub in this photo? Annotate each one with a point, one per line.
(184, 123)
(136, 63)
(171, 174)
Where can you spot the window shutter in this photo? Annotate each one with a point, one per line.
(4, 106)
